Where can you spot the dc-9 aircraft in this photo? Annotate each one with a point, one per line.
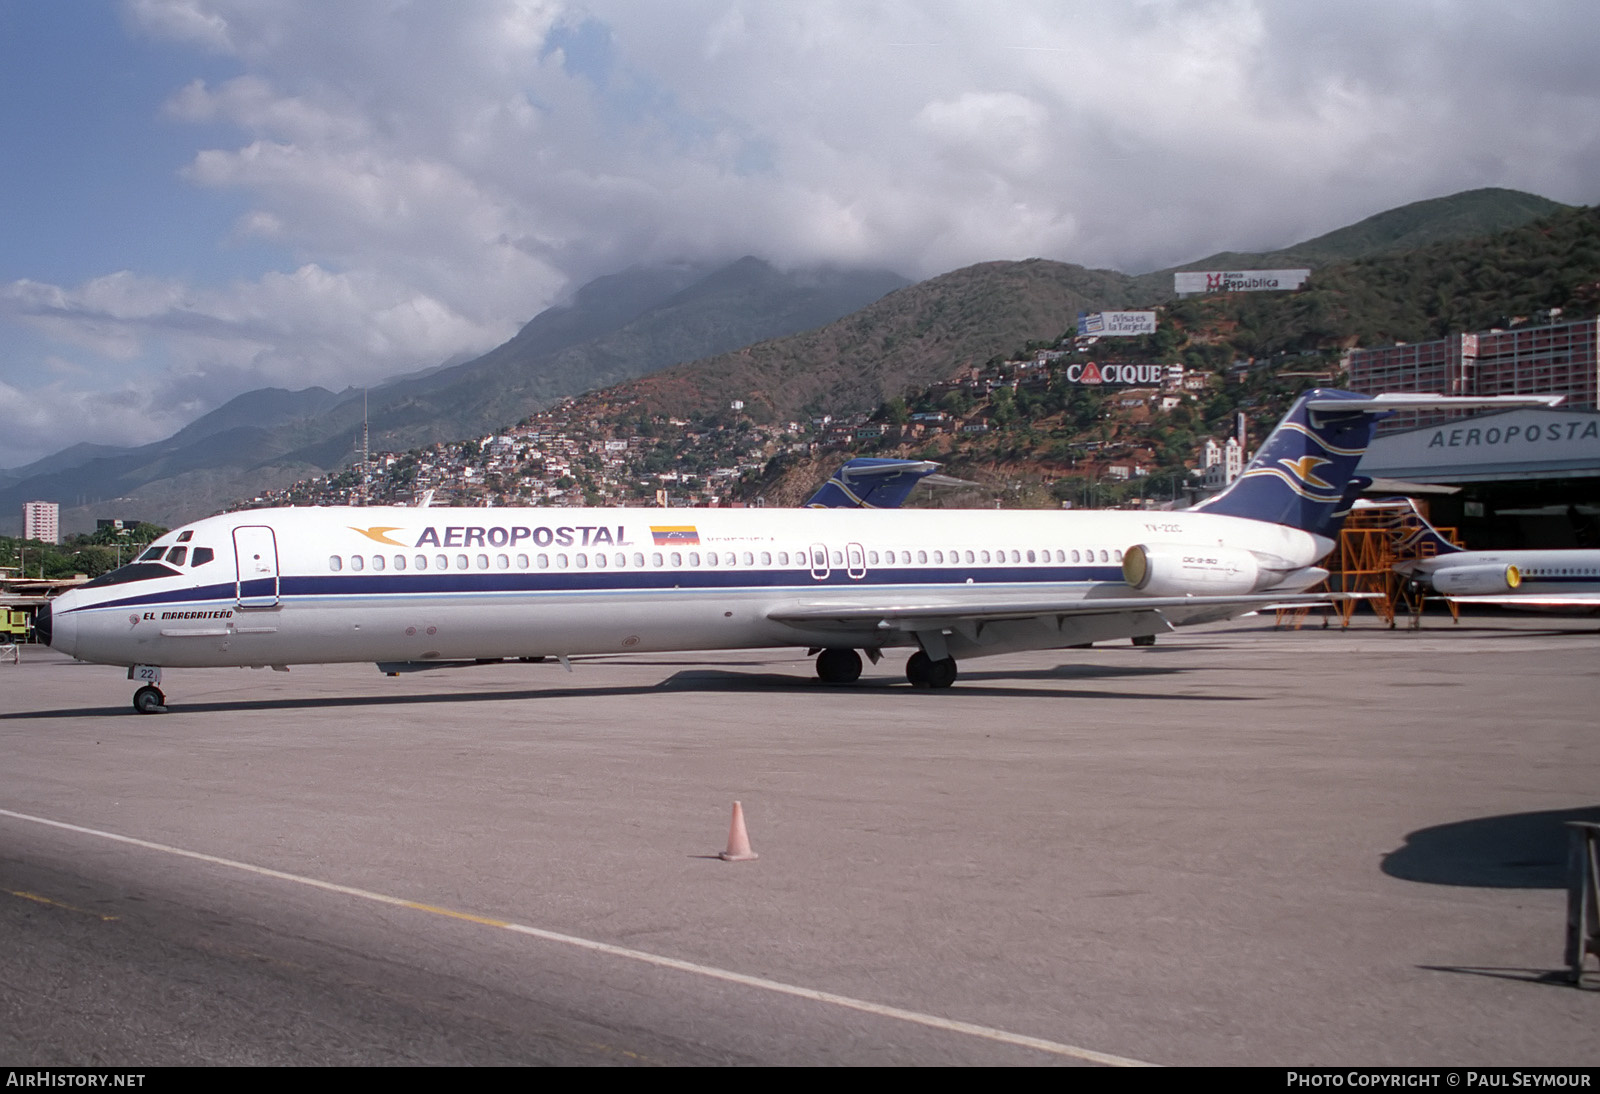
(1563, 579)
(411, 588)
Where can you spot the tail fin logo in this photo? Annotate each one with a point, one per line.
(1304, 471)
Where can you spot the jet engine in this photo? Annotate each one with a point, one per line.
(1178, 570)
(1481, 579)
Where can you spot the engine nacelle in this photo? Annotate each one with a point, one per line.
(1178, 570)
(1481, 579)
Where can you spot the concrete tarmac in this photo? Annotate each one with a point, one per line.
(1240, 846)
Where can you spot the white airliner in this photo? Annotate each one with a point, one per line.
(1563, 578)
(412, 588)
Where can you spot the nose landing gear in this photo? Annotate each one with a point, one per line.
(149, 700)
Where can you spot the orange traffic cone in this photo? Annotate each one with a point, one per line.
(738, 839)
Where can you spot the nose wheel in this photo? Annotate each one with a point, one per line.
(149, 700)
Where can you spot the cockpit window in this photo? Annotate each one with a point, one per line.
(202, 555)
(178, 556)
(185, 537)
(152, 554)
(133, 571)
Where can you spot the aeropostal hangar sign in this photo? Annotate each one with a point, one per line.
(1517, 443)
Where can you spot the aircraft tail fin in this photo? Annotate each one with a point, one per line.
(868, 483)
(1302, 475)
(1303, 470)
(1411, 534)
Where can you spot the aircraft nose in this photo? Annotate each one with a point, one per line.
(56, 630)
(42, 625)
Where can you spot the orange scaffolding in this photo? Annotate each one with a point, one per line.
(1374, 539)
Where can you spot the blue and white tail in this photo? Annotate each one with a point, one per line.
(1411, 534)
(868, 483)
(1304, 475)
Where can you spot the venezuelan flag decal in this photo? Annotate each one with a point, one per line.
(676, 535)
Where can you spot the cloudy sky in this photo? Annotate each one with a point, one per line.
(205, 196)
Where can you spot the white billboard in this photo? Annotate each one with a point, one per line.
(1122, 324)
(1091, 373)
(1238, 280)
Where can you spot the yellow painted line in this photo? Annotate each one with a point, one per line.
(882, 1010)
(37, 899)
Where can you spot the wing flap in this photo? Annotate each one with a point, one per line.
(960, 612)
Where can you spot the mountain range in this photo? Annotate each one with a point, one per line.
(689, 338)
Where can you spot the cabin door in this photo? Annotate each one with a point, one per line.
(255, 550)
(855, 561)
(819, 562)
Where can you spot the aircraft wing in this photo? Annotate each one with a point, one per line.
(1532, 600)
(923, 613)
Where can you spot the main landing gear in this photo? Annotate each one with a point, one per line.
(924, 672)
(839, 666)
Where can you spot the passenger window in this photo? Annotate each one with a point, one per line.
(748, 559)
(581, 560)
(399, 562)
(441, 562)
(1032, 557)
(502, 562)
(561, 562)
(202, 555)
(694, 558)
(656, 560)
(783, 558)
(838, 559)
(766, 558)
(620, 559)
(522, 562)
(356, 563)
(178, 555)
(461, 562)
(422, 562)
(675, 558)
(542, 561)
(335, 563)
(711, 558)
(377, 562)
(727, 558)
(483, 562)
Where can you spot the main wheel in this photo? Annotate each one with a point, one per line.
(839, 666)
(924, 672)
(149, 700)
(1144, 640)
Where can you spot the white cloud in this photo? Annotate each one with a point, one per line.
(442, 171)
